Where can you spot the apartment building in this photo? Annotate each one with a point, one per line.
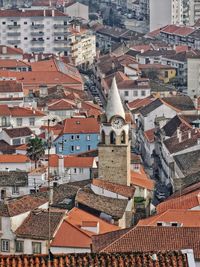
(34, 30)
(193, 75)
(82, 47)
(165, 12)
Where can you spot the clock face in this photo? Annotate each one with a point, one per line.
(117, 122)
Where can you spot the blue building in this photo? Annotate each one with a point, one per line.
(79, 135)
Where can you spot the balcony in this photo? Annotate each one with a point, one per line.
(37, 26)
(64, 33)
(62, 49)
(59, 26)
(38, 41)
(60, 41)
(14, 42)
(37, 49)
(37, 34)
(14, 33)
(12, 26)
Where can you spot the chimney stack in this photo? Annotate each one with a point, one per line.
(180, 137)
(61, 166)
(189, 134)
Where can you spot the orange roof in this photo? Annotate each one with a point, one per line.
(138, 103)
(149, 134)
(81, 125)
(22, 147)
(72, 161)
(4, 110)
(62, 104)
(8, 158)
(188, 218)
(56, 129)
(188, 201)
(141, 179)
(47, 65)
(69, 235)
(75, 236)
(10, 63)
(25, 112)
(77, 216)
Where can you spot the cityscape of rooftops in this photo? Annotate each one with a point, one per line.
(99, 133)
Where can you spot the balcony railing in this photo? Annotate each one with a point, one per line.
(13, 42)
(38, 26)
(37, 34)
(14, 33)
(11, 26)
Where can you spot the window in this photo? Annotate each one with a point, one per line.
(3, 22)
(25, 22)
(135, 93)
(125, 93)
(4, 121)
(72, 137)
(16, 141)
(19, 246)
(15, 190)
(89, 147)
(74, 170)
(5, 245)
(19, 121)
(80, 170)
(143, 93)
(112, 138)
(77, 137)
(88, 137)
(36, 247)
(123, 137)
(32, 121)
(78, 147)
(25, 38)
(72, 148)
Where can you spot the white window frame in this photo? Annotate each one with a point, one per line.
(5, 245)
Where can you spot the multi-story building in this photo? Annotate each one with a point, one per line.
(193, 76)
(194, 11)
(34, 30)
(83, 48)
(170, 12)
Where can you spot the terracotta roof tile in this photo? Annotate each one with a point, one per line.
(140, 178)
(149, 134)
(139, 103)
(81, 125)
(10, 86)
(134, 259)
(18, 132)
(72, 161)
(36, 225)
(8, 158)
(21, 205)
(4, 110)
(126, 191)
(62, 104)
(25, 112)
(153, 238)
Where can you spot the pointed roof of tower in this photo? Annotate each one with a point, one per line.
(114, 104)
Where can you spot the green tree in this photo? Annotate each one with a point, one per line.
(35, 149)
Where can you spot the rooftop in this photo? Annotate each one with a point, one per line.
(81, 126)
(18, 132)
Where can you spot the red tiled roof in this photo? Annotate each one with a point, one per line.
(141, 179)
(126, 191)
(12, 63)
(138, 103)
(186, 218)
(25, 112)
(187, 201)
(81, 125)
(4, 110)
(178, 30)
(62, 104)
(152, 238)
(133, 259)
(30, 13)
(10, 50)
(149, 134)
(72, 161)
(10, 86)
(8, 158)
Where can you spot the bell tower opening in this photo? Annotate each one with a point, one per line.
(103, 137)
(112, 138)
(123, 137)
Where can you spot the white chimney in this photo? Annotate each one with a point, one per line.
(189, 134)
(78, 28)
(178, 132)
(180, 137)
(53, 13)
(91, 226)
(61, 166)
(44, 12)
(4, 50)
(198, 141)
(51, 195)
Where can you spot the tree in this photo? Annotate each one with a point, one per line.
(35, 149)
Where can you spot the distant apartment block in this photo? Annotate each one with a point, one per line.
(34, 30)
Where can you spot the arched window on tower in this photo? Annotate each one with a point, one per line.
(103, 137)
(123, 137)
(112, 138)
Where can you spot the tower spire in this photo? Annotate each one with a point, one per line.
(114, 104)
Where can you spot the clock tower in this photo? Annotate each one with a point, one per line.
(114, 147)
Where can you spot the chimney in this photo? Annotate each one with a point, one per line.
(78, 28)
(180, 137)
(44, 12)
(189, 134)
(113, 65)
(61, 166)
(178, 132)
(53, 13)
(91, 226)
(4, 50)
(198, 141)
(51, 195)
